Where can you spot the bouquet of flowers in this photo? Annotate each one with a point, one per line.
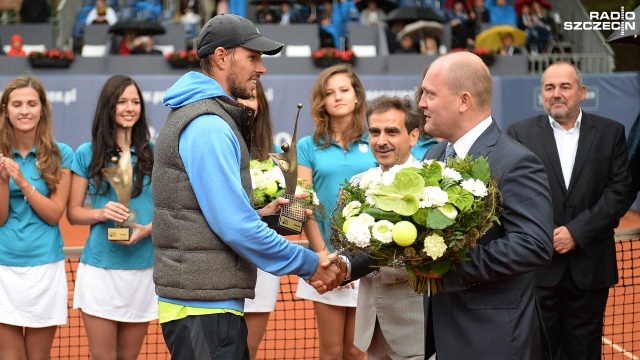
(328, 56)
(51, 58)
(268, 184)
(183, 59)
(422, 218)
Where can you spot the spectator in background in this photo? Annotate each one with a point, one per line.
(35, 179)
(537, 33)
(430, 46)
(34, 11)
(328, 32)
(1, 48)
(258, 309)
(16, 46)
(482, 13)
(507, 48)
(236, 7)
(114, 288)
(101, 14)
(372, 14)
(192, 22)
(144, 46)
(585, 156)
(127, 43)
(344, 11)
(288, 15)
(264, 13)
(501, 12)
(461, 25)
(407, 45)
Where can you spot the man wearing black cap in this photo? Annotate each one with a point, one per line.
(208, 239)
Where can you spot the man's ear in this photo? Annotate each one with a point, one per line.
(219, 57)
(464, 101)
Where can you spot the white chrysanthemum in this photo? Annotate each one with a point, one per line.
(258, 180)
(449, 211)
(450, 173)
(434, 246)
(277, 175)
(476, 187)
(381, 231)
(358, 233)
(366, 219)
(432, 196)
(352, 209)
(370, 178)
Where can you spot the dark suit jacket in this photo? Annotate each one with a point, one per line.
(488, 309)
(597, 197)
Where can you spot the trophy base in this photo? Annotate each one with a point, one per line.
(118, 234)
(289, 228)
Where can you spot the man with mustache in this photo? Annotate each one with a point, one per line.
(586, 161)
(389, 316)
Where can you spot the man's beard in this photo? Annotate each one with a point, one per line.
(235, 86)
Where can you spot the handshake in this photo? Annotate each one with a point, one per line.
(332, 271)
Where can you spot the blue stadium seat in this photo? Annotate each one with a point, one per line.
(127, 13)
(130, 3)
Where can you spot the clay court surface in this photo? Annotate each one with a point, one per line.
(292, 332)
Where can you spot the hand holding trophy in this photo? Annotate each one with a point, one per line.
(120, 177)
(292, 215)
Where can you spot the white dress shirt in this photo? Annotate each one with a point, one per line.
(567, 144)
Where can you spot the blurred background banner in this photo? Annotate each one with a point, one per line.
(515, 97)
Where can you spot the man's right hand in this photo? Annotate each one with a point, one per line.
(328, 275)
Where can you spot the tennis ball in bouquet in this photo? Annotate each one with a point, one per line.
(404, 233)
(271, 188)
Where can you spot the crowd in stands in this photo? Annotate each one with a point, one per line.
(465, 19)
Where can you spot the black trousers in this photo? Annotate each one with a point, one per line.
(573, 319)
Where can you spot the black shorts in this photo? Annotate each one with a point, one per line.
(215, 336)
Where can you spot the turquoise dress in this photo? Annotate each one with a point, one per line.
(332, 167)
(100, 252)
(25, 239)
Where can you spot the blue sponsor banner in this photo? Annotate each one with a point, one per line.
(74, 97)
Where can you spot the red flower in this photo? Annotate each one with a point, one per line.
(52, 54)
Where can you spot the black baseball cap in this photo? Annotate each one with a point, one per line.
(230, 31)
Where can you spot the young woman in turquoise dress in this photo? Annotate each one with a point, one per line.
(35, 179)
(258, 310)
(114, 287)
(337, 150)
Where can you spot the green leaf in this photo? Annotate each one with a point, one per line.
(481, 170)
(433, 174)
(380, 214)
(437, 220)
(441, 266)
(460, 197)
